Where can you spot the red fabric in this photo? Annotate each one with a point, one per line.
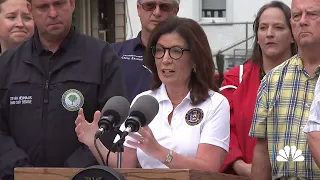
(216, 75)
(242, 103)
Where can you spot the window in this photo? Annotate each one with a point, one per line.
(214, 8)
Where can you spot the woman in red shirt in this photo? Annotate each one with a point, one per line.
(273, 45)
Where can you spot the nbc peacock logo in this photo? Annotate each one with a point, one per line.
(284, 154)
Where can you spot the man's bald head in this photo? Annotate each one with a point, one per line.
(305, 23)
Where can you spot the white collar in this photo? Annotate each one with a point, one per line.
(162, 95)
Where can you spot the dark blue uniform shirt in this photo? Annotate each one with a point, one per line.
(40, 94)
(137, 76)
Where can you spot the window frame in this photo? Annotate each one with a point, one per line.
(214, 20)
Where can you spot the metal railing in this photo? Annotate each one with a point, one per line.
(238, 49)
(239, 46)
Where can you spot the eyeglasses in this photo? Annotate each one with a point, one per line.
(151, 6)
(175, 52)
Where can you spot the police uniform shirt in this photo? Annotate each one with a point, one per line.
(137, 76)
(208, 122)
(42, 93)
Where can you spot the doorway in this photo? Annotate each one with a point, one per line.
(107, 20)
(100, 18)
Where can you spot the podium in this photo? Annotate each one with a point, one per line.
(129, 174)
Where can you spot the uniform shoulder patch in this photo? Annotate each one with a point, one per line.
(72, 100)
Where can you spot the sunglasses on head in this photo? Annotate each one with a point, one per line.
(151, 6)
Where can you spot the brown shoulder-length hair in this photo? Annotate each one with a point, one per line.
(256, 53)
(193, 34)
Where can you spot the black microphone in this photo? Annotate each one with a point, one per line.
(113, 114)
(141, 113)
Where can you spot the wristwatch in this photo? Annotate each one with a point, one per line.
(169, 157)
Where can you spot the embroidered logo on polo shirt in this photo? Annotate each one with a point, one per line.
(72, 100)
(194, 116)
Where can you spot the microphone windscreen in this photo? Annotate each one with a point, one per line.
(145, 108)
(118, 107)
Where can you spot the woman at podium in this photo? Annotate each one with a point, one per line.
(191, 129)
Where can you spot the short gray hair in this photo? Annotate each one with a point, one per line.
(176, 1)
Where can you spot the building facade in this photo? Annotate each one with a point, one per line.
(227, 23)
(104, 19)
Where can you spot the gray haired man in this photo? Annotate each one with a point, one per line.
(151, 13)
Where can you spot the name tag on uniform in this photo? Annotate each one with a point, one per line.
(132, 57)
(17, 100)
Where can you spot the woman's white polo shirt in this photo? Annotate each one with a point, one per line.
(208, 122)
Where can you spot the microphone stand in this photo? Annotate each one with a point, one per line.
(118, 147)
(119, 152)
